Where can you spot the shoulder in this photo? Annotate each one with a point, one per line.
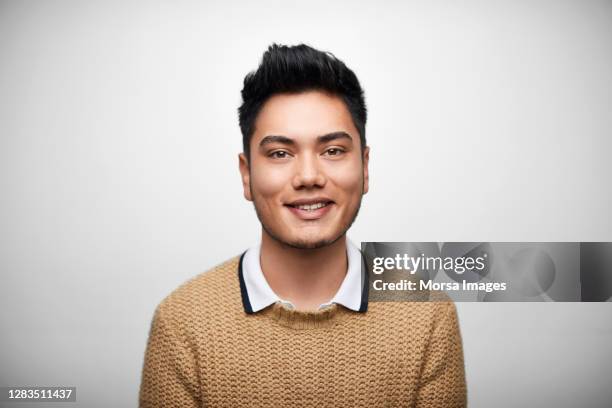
(204, 294)
(423, 314)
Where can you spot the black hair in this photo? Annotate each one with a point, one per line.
(294, 69)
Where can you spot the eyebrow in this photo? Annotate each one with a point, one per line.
(320, 139)
(276, 139)
(333, 136)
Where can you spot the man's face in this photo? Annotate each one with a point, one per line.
(307, 173)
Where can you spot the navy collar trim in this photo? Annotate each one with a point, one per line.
(246, 303)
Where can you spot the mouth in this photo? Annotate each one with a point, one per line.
(310, 209)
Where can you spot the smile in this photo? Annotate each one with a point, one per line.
(310, 209)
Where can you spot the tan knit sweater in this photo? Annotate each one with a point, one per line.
(204, 350)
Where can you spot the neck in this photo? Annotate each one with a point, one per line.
(305, 277)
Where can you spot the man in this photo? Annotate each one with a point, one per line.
(288, 322)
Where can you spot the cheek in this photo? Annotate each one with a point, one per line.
(268, 181)
(349, 178)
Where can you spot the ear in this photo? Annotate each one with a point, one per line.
(245, 174)
(366, 171)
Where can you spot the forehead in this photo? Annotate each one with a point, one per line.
(303, 116)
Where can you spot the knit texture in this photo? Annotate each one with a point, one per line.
(205, 351)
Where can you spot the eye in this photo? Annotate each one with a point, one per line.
(334, 151)
(279, 154)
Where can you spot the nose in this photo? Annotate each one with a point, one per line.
(308, 173)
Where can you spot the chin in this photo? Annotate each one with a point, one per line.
(305, 241)
(310, 244)
(313, 242)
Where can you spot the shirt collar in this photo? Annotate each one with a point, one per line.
(257, 293)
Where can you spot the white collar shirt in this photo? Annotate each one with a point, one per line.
(257, 293)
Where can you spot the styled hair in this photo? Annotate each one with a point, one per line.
(294, 69)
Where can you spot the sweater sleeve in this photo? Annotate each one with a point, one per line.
(169, 376)
(442, 381)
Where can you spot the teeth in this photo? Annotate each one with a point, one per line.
(311, 207)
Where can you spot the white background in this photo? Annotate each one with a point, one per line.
(488, 121)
